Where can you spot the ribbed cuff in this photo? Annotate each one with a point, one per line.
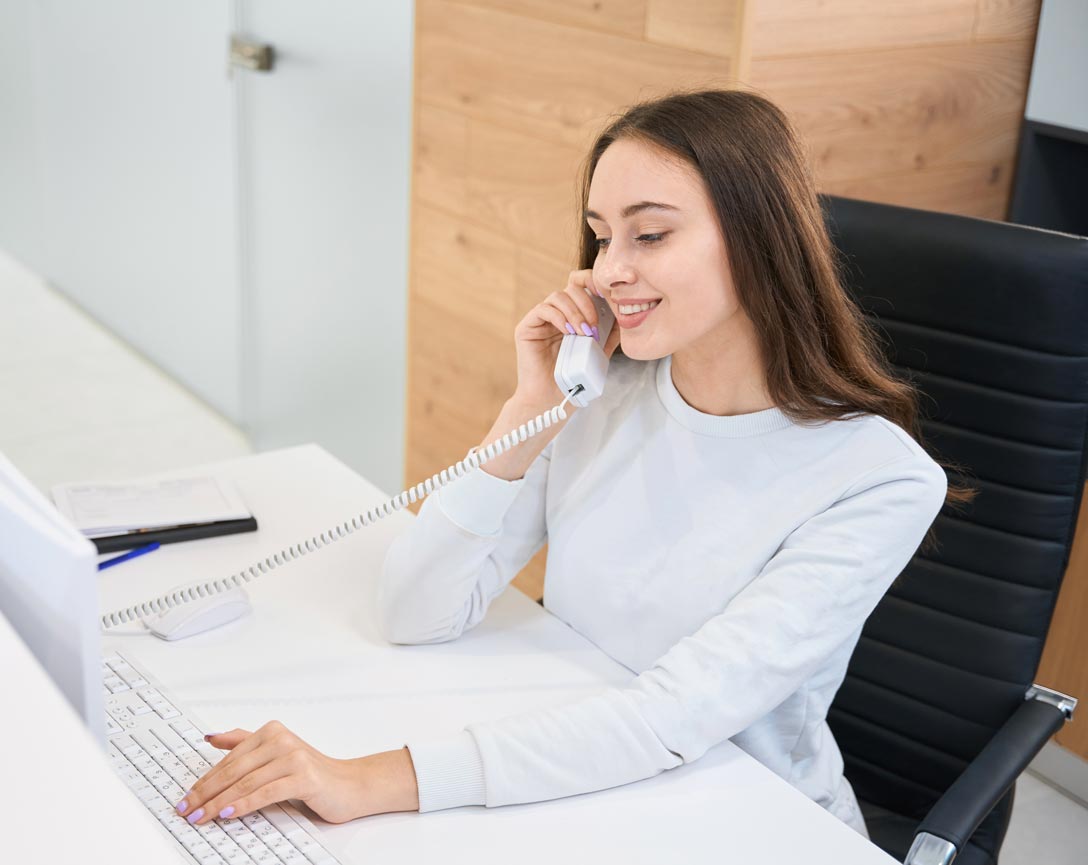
(478, 501)
(449, 773)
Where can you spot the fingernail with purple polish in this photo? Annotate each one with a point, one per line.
(570, 329)
(596, 334)
(182, 806)
(586, 329)
(196, 815)
(226, 812)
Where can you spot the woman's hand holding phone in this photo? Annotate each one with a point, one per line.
(538, 337)
(539, 334)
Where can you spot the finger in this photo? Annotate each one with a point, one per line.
(579, 288)
(554, 313)
(243, 743)
(582, 299)
(586, 277)
(566, 302)
(230, 739)
(227, 741)
(226, 772)
(240, 797)
(278, 790)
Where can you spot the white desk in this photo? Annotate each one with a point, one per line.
(311, 656)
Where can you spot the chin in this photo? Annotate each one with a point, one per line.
(636, 351)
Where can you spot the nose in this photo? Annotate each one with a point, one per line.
(613, 267)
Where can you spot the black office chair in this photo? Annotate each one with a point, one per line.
(938, 715)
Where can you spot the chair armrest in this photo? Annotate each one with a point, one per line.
(958, 813)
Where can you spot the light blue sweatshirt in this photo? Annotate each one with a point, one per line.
(728, 562)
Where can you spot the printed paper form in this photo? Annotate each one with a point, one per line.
(110, 509)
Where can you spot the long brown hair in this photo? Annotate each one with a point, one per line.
(823, 359)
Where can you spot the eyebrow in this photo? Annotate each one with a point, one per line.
(632, 209)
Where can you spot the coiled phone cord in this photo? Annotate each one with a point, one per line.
(474, 459)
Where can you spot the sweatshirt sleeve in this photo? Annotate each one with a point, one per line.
(809, 599)
(468, 541)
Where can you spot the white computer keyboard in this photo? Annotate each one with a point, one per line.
(159, 752)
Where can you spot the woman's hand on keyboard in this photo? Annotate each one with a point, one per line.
(273, 764)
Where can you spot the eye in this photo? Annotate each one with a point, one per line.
(642, 238)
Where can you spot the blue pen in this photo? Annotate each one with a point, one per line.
(131, 554)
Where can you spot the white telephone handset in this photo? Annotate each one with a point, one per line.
(581, 367)
(580, 371)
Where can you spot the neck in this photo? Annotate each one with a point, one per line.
(722, 374)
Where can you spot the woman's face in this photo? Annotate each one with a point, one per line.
(658, 240)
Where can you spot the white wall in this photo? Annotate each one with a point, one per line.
(248, 235)
(1058, 92)
(122, 112)
(325, 201)
(19, 203)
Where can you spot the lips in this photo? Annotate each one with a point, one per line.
(634, 319)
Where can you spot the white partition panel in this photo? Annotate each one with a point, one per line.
(122, 123)
(326, 145)
(248, 234)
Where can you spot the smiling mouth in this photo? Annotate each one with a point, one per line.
(635, 309)
(629, 320)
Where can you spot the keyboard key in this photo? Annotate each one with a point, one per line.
(309, 848)
(213, 833)
(255, 819)
(126, 745)
(212, 755)
(139, 707)
(203, 852)
(250, 843)
(237, 856)
(235, 828)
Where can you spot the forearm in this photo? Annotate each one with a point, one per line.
(388, 782)
(512, 464)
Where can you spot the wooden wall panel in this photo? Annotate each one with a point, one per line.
(622, 17)
(916, 104)
(914, 112)
(1006, 19)
(440, 162)
(551, 81)
(986, 185)
(696, 25)
(785, 27)
(522, 187)
(1064, 665)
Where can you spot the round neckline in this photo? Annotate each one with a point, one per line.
(725, 426)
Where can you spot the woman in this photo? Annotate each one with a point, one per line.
(722, 521)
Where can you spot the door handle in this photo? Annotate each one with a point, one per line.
(256, 56)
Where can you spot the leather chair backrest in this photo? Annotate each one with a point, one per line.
(990, 321)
